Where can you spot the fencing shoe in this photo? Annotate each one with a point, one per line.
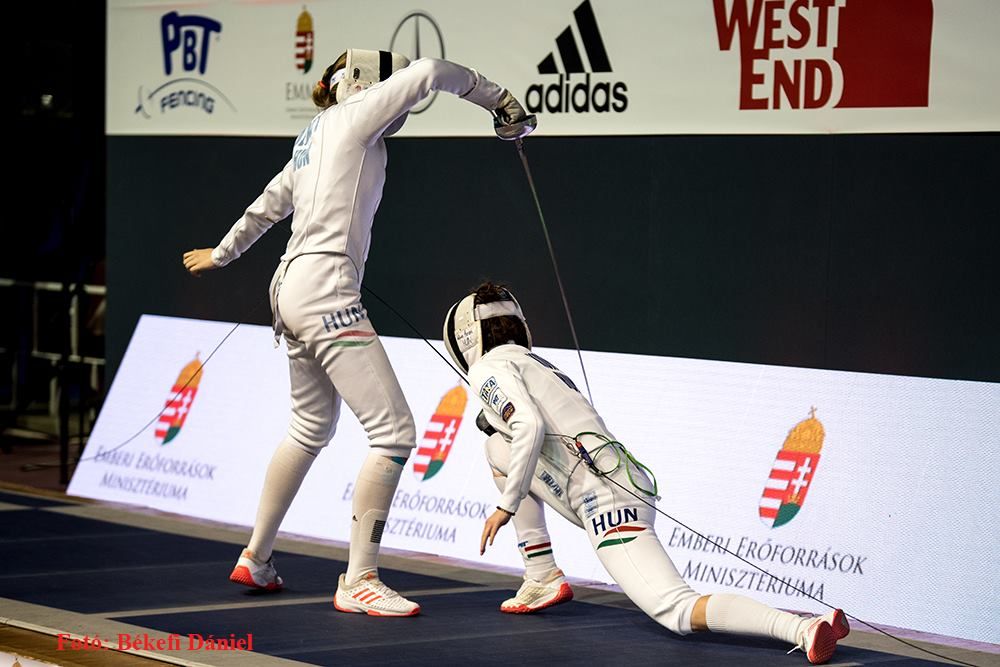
(819, 639)
(838, 621)
(534, 595)
(370, 596)
(253, 573)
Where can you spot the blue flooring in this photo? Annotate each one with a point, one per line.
(467, 629)
(91, 566)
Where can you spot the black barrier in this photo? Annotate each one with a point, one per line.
(870, 253)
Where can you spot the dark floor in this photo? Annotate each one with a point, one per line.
(30, 451)
(176, 583)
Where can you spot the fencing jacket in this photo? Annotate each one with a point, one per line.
(333, 182)
(531, 403)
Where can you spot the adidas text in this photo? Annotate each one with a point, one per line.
(581, 97)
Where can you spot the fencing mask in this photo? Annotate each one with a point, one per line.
(364, 69)
(463, 328)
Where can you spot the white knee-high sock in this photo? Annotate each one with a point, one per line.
(373, 491)
(288, 467)
(740, 615)
(532, 536)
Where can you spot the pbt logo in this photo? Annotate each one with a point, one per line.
(185, 53)
(189, 35)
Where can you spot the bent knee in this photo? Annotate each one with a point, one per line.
(310, 447)
(407, 429)
(312, 431)
(392, 430)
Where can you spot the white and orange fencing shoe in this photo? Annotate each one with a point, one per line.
(256, 574)
(819, 640)
(370, 596)
(535, 595)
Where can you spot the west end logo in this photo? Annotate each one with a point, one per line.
(812, 54)
(179, 402)
(792, 472)
(185, 41)
(574, 95)
(434, 447)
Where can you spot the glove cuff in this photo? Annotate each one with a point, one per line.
(484, 92)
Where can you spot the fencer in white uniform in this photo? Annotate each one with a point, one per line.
(333, 183)
(538, 424)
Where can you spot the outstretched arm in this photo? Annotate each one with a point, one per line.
(273, 204)
(384, 102)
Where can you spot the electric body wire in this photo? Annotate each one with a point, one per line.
(417, 331)
(159, 414)
(555, 266)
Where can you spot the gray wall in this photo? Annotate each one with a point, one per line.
(866, 253)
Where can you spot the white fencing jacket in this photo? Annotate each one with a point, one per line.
(532, 404)
(333, 182)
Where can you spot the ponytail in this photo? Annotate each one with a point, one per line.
(324, 95)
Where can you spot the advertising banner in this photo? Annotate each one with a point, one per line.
(872, 492)
(585, 67)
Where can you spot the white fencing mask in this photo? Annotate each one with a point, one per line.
(463, 328)
(364, 69)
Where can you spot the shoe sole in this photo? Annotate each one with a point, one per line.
(241, 575)
(823, 645)
(372, 612)
(841, 628)
(565, 594)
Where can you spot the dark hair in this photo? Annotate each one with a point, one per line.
(324, 95)
(504, 329)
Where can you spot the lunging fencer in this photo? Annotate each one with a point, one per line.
(333, 184)
(547, 444)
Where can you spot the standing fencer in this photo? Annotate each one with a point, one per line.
(543, 436)
(333, 184)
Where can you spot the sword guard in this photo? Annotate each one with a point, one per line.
(515, 131)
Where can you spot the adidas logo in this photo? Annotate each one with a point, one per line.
(566, 96)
